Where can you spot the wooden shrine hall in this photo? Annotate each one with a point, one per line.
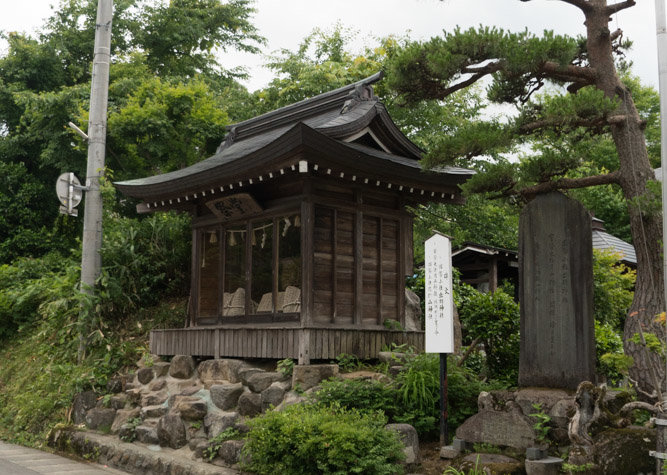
(300, 236)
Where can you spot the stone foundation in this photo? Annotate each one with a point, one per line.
(178, 407)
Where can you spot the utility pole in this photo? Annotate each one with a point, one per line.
(91, 262)
(661, 39)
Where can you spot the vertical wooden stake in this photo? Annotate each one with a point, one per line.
(444, 432)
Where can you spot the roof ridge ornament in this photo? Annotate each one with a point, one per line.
(361, 92)
(229, 139)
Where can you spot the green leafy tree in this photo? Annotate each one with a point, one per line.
(488, 222)
(321, 63)
(168, 100)
(179, 37)
(165, 125)
(595, 99)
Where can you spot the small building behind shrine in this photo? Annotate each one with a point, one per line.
(301, 235)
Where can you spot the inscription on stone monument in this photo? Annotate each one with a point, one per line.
(556, 293)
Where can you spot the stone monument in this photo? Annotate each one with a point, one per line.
(556, 293)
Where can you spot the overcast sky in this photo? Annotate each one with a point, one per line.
(286, 22)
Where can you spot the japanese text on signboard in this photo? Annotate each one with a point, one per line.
(438, 295)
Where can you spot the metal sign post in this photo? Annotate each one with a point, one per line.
(439, 328)
(70, 193)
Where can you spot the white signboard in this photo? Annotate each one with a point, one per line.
(439, 304)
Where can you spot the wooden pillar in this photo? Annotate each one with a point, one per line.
(380, 288)
(221, 270)
(304, 346)
(400, 278)
(334, 266)
(193, 309)
(493, 274)
(307, 275)
(358, 242)
(248, 268)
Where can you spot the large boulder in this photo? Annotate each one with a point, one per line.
(220, 371)
(509, 429)
(622, 451)
(546, 398)
(272, 396)
(250, 404)
(82, 403)
(182, 367)
(123, 416)
(190, 408)
(154, 398)
(216, 422)
(145, 375)
(230, 451)
(226, 396)
(118, 401)
(161, 368)
(157, 385)
(258, 382)
(171, 431)
(245, 373)
(410, 441)
(153, 412)
(147, 433)
(309, 376)
(100, 418)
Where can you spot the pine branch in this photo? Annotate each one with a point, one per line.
(531, 127)
(477, 74)
(575, 86)
(550, 123)
(570, 183)
(579, 74)
(617, 7)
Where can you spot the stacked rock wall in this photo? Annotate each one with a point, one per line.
(179, 403)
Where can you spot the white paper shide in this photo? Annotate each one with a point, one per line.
(439, 305)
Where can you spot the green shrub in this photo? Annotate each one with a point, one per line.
(610, 360)
(493, 318)
(24, 285)
(360, 394)
(308, 439)
(285, 366)
(414, 398)
(613, 284)
(463, 387)
(144, 260)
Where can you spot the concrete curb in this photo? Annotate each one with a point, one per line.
(133, 458)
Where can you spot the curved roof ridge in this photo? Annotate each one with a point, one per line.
(299, 110)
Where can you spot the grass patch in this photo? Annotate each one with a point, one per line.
(39, 375)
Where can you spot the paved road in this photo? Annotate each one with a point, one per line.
(17, 460)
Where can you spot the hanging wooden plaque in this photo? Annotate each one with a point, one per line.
(234, 206)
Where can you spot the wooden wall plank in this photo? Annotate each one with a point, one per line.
(279, 343)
